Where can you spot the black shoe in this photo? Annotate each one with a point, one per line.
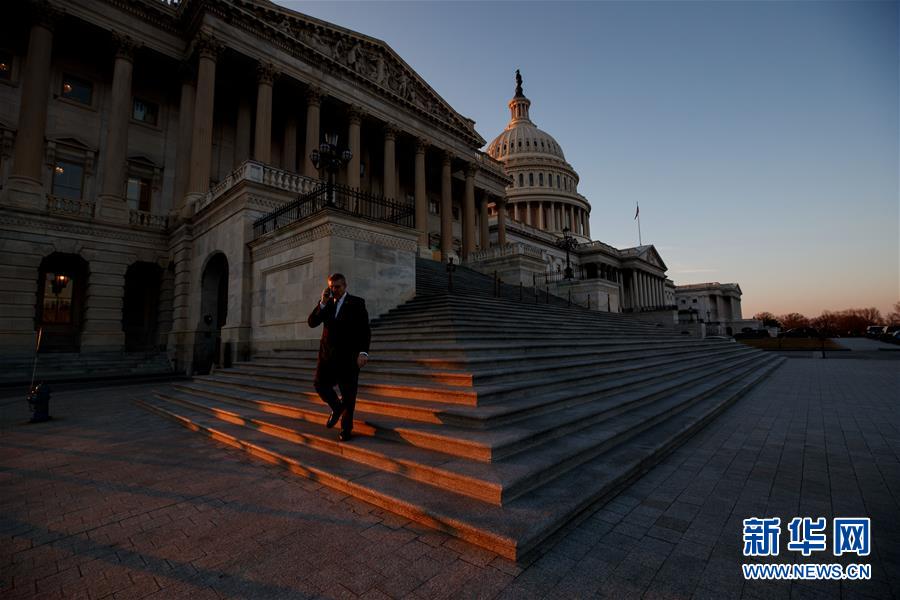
(333, 418)
(345, 436)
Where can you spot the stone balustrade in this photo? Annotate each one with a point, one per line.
(264, 174)
(140, 218)
(512, 249)
(70, 207)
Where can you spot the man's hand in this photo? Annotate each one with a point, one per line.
(361, 360)
(326, 296)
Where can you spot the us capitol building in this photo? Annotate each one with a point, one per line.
(178, 179)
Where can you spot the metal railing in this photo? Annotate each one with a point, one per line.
(340, 198)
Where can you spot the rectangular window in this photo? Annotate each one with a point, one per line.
(77, 89)
(138, 194)
(6, 60)
(145, 112)
(456, 213)
(57, 298)
(67, 180)
(434, 207)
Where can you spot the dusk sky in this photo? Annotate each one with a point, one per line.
(760, 138)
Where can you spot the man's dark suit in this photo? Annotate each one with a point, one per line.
(343, 338)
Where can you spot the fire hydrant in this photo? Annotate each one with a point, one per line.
(39, 403)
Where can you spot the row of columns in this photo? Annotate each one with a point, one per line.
(552, 216)
(201, 145)
(194, 139)
(647, 290)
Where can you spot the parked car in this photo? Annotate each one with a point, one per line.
(800, 332)
(875, 330)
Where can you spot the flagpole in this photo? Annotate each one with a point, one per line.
(637, 216)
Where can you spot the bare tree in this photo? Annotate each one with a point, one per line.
(768, 319)
(793, 320)
(893, 317)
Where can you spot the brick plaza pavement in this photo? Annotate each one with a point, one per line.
(110, 501)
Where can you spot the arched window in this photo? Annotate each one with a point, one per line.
(557, 181)
(541, 178)
(521, 180)
(526, 142)
(531, 179)
(550, 179)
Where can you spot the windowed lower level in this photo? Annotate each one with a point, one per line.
(138, 191)
(68, 180)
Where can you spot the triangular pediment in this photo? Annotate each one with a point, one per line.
(647, 254)
(72, 142)
(652, 256)
(140, 159)
(363, 58)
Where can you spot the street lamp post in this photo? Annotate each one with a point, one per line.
(569, 243)
(327, 156)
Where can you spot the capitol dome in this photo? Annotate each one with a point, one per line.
(544, 191)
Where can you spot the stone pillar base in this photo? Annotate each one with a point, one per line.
(111, 209)
(24, 192)
(100, 341)
(187, 209)
(237, 341)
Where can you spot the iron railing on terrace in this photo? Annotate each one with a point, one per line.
(341, 198)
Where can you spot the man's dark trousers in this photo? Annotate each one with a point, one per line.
(346, 377)
(344, 336)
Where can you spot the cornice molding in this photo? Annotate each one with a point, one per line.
(302, 238)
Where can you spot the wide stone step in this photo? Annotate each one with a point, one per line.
(301, 372)
(511, 530)
(564, 414)
(495, 483)
(479, 371)
(481, 362)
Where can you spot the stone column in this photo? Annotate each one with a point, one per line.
(111, 200)
(262, 143)
(354, 117)
(289, 156)
(421, 195)
(390, 162)
(483, 218)
(25, 181)
(516, 212)
(587, 225)
(446, 208)
(541, 223)
(573, 225)
(183, 144)
(242, 132)
(527, 205)
(103, 302)
(201, 139)
(501, 221)
(469, 211)
(642, 297)
(313, 105)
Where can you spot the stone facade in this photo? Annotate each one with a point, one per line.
(141, 141)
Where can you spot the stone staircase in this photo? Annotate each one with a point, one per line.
(497, 421)
(72, 366)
